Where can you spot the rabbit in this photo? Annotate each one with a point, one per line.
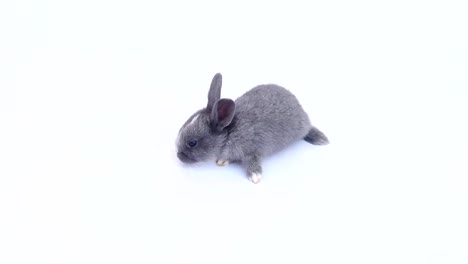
(264, 120)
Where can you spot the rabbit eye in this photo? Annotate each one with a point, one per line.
(192, 143)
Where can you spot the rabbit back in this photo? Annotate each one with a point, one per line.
(268, 118)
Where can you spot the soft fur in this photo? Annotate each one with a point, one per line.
(263, 121)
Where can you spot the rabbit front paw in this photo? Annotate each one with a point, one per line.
(222, 162)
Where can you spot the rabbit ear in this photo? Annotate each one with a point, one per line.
(222, 113)
(215, 91)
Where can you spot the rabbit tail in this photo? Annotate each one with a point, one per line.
(316, 137)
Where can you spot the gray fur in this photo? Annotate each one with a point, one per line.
(264, 120)
(316, 137)
(215, 90)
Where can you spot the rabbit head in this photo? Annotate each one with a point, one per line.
(204, 133)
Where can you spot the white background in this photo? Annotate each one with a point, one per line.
(92, 94)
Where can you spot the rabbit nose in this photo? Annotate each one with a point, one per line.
(184, 157)
(181, 155)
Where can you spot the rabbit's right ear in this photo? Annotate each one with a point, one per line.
(215, 91)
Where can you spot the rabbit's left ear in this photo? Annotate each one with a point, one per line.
(222, 113)
(215, 91)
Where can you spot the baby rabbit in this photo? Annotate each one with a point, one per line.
(264, 120)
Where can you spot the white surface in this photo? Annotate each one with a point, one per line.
(92, 94)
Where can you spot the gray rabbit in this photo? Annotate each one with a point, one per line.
(264, 120)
